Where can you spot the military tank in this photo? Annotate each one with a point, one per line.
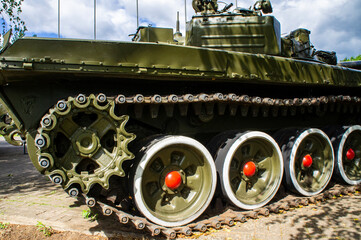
(159, 129)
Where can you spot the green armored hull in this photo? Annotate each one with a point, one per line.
(154, 124)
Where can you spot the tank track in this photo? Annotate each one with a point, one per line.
(211, 220)
(201, 104)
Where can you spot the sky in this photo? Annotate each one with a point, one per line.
(334, 24)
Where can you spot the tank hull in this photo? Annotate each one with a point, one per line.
(46, 70)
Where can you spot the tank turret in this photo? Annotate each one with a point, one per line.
(241, 30)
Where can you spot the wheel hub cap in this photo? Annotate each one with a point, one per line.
(173, 180)
(249, 169)
(307, 161)
(350, 155)
(86, 142)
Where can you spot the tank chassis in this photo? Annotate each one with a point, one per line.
(159, 129)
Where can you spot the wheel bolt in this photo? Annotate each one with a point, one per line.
(61, 105)
(44, 163)
(74, 192)
(57, 179)
(40, 141)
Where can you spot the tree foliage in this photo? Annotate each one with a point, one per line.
(10, 19)
(358, 58)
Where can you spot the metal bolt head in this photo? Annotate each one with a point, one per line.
(121, 99)
(44, 163)
(47, 121)
(156, 231)
(90, 202)
(40, 141)
(57, 179)
(124, 220)
(140, 225)
(101, 98)
(108, 211)
(139, 98)
(157, 98)
(74, 192)
(81, 98)
(61, 105)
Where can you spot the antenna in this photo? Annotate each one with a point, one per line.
(236, 4)
(137, 15)
(95, 19)
(178, 23)
(185, 13)
(177, 34)
(58, 18)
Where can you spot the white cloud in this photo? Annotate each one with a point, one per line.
(334, 24)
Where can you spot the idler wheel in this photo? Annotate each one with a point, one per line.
(250, 167)
(174, 180)
(347, 145)
(309, 160)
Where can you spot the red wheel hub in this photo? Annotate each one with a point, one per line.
(173, 180)
(249, 169)
(307, 161)
(350, 155)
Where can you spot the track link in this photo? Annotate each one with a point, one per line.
(230, 216)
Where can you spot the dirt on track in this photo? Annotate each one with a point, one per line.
(28, 199)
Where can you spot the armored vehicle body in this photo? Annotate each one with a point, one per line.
(165, 126)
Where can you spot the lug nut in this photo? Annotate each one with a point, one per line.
(74, 192)
(61, 105)
(40, 141)
(44, 163)
(57, 179)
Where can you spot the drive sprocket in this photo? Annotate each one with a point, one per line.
(82, 142)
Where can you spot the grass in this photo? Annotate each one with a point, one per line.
(88, 214)
(4, 225)
(47, 231)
